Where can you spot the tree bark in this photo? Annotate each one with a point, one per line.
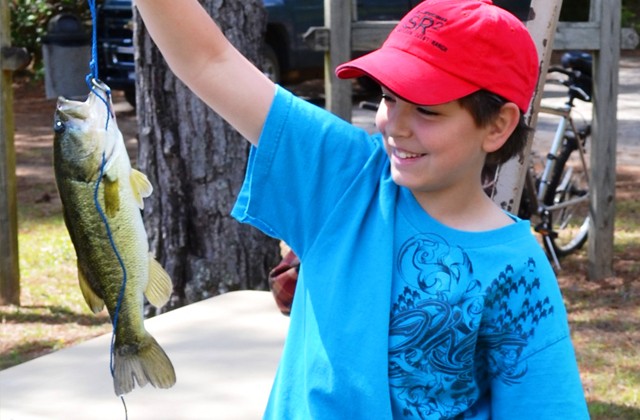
(196, 163)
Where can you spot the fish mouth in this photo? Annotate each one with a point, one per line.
(70, 109)
(99, 91)
(83, 118)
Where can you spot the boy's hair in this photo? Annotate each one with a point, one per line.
(484, 106)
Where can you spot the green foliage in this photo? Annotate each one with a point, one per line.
(29, 20)
(631, 14)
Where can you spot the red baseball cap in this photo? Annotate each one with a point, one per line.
(443, 50)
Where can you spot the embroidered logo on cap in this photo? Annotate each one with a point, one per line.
(421, 23)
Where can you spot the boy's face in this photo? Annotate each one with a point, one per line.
(432, 149)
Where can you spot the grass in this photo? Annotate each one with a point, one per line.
(52, 314)
(605, 315)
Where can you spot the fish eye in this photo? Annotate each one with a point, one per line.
(59, 126)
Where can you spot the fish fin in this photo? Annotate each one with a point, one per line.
(159, 287)
(143, 363)
(96, 304)
(141, 186)
(111, 196)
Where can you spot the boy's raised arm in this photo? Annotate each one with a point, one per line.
(200, 55)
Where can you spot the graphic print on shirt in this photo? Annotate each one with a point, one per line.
(450, 334)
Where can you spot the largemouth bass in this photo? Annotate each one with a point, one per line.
(111, 245)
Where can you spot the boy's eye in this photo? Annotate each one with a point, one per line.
(388, 98)
(426, 111)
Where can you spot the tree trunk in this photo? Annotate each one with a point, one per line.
(196, 163)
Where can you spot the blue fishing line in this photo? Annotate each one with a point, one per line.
(115, 250)
(116, 314)
(93, 64)
(105, 100)
(93, 75)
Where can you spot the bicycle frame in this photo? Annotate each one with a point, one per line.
(537, 193)
(564, 113)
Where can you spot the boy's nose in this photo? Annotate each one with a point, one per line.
(398, 121)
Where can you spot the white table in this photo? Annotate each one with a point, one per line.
(225, 351)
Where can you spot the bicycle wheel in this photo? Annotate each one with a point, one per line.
(567, 200)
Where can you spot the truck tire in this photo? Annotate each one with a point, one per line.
(271, 64)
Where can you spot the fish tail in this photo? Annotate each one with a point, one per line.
(143, 363)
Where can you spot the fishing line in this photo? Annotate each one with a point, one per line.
(122, 266)
(93, 63)
(93, 75)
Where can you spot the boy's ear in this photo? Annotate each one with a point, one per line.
(501, 127)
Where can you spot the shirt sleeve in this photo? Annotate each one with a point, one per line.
(305, 162)
(529, 357)
(550, 389)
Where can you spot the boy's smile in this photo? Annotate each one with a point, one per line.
(404, 155)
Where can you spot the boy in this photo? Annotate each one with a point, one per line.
(418, 297)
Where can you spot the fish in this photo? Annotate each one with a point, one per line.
(102, 199)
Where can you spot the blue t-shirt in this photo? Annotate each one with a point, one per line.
(396, 315)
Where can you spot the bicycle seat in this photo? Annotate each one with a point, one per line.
(579, 63)
(578, 60)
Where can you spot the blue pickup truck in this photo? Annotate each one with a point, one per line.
(287, 57)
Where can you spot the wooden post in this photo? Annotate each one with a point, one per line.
(510, 176)
(604, 134)
(9, 268)
(337, 17)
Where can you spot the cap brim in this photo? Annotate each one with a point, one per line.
(407, 76)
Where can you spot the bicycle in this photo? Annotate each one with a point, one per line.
(556, 198)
